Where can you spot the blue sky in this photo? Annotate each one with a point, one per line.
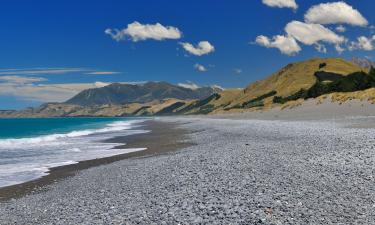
(62, 45)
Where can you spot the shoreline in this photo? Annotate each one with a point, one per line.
(164, 138)
(237, 171)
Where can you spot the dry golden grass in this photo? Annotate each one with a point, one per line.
(288, 81)
(292, 104)
(160, 105)
(226, 97)
(340, 97)
(295, 77)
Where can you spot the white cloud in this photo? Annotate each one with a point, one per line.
(237, 71)
(200, 67)
(281, 3)
(321, 48)
(310, 34)
(29, 88)
(335, 13)
(189, 85)
(286, 45)
(102, 73)
(140, 32)
(20, 79)
(39, 71)
(217, 87)
(100, 84)
(46, 92)
(339, 49)
(40, 93)
(363, 43)
(53, 71)
(203, 48)
(340, 29)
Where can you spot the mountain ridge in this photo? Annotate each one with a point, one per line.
(118, 93)
(315, 78)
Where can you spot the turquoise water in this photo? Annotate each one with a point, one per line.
(29, 147)
(22, 128)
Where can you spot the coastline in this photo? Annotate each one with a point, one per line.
(164, 137)
(238, 170)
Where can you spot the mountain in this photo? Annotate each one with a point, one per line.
(117, 94)
(71, 110)
(319, 78)
(363, 62)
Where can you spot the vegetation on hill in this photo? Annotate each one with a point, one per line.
(316, 78)
(357, 81)
(287, 84)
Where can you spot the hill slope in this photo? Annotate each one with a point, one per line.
(141, 93)
(337, 79)
(288, 84)
(297, 76)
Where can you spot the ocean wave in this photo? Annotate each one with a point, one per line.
(26, 159)
(13, 143)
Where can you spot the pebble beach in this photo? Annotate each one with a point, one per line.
(236, 171)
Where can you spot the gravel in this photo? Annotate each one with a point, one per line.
(240, 172)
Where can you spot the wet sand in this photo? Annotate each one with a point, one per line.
(163, 138)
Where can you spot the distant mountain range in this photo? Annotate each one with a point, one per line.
(117, 94)
(329, 78)
(363, 62)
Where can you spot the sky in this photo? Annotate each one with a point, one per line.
(51, 50)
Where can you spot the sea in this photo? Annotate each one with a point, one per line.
(29, 148)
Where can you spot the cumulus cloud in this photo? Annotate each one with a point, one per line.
(321, 48)
(340, 29)
(363, 43)
(339, 49)
(335, 13)
(286, 45)
(237, 71)
(281, 3)
(189, 85)
(313, 31)
(203, 48)
(310, 34)
(200, 67)
(305, 33)
(140, 32)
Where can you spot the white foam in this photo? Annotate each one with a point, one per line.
(27, 159)
(45, 139)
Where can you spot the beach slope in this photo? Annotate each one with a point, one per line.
(238, 171)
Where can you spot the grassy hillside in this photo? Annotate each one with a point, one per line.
(296, 76)
(212, 104)
(310, 78)
(286, 82)
(289, 87)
